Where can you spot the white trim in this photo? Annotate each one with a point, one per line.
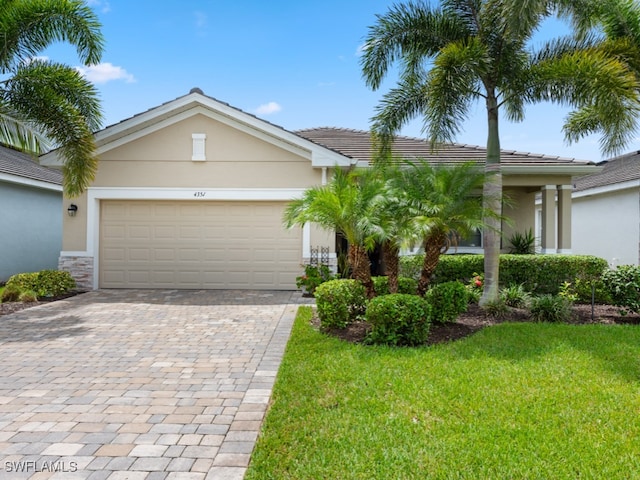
(17, 179)
(616, 187)
(573, 169)
(549, 187)
(306, 240)
(71, 253)
(196, 103)
(564, 251)
(96, 194)
(549, 251)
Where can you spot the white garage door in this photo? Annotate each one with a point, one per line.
(210, 245)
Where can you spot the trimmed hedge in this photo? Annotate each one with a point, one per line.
(405, 285)
(340, 302)
(398, 319)
(45, 283)
(448, 300)
(539, 274)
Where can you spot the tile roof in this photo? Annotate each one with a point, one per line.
(20, 164)
(617, 170)
(357, 144)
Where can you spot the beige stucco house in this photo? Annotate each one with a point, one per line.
(190, 194)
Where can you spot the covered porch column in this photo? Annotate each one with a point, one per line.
(548, 239)
(564, 218)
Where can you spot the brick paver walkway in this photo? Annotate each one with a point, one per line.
(139, 384)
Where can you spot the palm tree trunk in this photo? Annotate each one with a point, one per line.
(390, 253)
(434, 246)
(360, 267)
(492, 198)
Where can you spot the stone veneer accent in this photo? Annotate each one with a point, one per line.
(80, 268)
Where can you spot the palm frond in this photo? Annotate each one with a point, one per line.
(27, 28)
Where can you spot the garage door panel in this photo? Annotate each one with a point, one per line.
(173, 244)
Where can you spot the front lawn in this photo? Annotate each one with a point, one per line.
(516, 400)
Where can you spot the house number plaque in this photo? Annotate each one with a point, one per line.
(199, 194)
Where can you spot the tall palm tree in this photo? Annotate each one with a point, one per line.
(44, 104)
(461, 51)
(343, 205)
(444, 202)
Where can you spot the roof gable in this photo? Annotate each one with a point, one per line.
(196, 103)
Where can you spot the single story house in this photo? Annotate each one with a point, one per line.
(190, 194)
(606, 211)
(31, 199)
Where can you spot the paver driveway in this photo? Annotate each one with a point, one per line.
(139, 384)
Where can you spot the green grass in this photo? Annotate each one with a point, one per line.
(514, 401)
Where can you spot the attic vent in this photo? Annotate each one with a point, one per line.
(198, 147)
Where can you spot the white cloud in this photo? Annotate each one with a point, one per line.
(102, 5)
(268, 108)
(105, 72)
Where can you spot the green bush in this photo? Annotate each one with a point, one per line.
(340, 302)
(28, 296)
(405, 285)
(410, 266)
(448, 300)
(46, 283)
(496, 309)
(515, 296)
(623, 284)
(10, 294)
(538, 274)
(314, 275)
(398, 319)
(550, 308)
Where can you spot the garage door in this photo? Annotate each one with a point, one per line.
(212, 245)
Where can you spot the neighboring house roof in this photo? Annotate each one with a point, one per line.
(22, 168)
(624, 168)
(356, 144)
(196, 102)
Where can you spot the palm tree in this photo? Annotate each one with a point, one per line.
(444, 203)
(393, 226)
(343, 205)
(463, 51)
(44, 104)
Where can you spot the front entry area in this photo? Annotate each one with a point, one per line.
(197, 245)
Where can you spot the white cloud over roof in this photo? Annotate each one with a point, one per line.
(268, 108)
(105, 72)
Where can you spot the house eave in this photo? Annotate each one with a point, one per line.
(615, 187)
(29, 182)
(573, 170)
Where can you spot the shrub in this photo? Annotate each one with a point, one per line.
(340, 302)
(447, 300)
(475, 288)
(405, 285)
(398, 319)
(28, 296)
(522, 243)
(623, 284)
(496, 309)
(10, 294)
(550, 308)
(314, 275)
(515, 296)
(411, 266)
(46, 283)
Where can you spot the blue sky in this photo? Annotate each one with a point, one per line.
(294, 63)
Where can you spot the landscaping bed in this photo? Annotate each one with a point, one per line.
(475, 319)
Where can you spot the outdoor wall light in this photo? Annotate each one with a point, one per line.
(73, 208)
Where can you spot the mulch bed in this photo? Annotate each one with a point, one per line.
(13, 307)
(475, 319)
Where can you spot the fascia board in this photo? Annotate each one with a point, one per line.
(615, 187)
(5, 177)
(569, 169)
